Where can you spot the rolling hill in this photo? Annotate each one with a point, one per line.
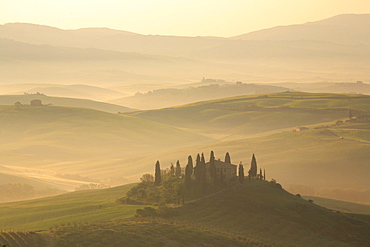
(253, 114)
(343, 29)
(25, 99)
(258, 213)
(54, 139)
(167, 97)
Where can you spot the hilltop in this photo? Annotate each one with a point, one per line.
(25, 99)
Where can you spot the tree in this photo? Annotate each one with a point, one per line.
(178, 169)
(264, 174)
(188, 173)
(241, 173)
(158, 177)
(227, 158)
(212, 165)
(261, 175)
(147, 178)
(172, 170)
(253, 169)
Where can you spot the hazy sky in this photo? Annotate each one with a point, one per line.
(176, 17)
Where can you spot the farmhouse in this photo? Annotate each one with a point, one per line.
(36, 102)
(301, 128)
(363, 119)
(228, 170)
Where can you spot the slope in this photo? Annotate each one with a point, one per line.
(246, 115)
(268, 213)
(54, 138)
(25, 99)
(167, 97)
(78, 207)
(345, 29)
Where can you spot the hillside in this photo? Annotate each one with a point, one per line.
(344, 29)
(258, 213)
(272, 215)
(342, 206)
(167, 97)
(247, 115)
(70, 140)
(25, 99)
(73, 207)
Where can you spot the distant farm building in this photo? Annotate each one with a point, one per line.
(363, 119)
(228, 170)
(301, 128)
(36, 102)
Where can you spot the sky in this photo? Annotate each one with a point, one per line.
(176, 17)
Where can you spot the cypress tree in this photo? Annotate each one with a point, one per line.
(158, 177)
(212, 166)
(261, 176)
(172, 170)
(188, 173)
(227, 158)
(203, 174)
(253, 169)
(178, 169)
(241, 173)
(264, 174)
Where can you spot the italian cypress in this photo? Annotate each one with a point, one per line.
(178, 169)
(264, 174)
(227, 158)
(172, 170)
(261, 176)
(253, 169)
(188, 172)
(158, 177)
(212, 166)
(241, 173)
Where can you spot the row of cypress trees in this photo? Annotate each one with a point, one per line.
(195, 177)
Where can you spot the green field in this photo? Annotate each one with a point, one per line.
(257, 213)
(75, 207)
(247, 115)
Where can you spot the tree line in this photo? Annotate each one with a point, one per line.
(178, 184)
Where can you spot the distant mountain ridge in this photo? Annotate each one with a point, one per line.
(335, 49)
(345, 29)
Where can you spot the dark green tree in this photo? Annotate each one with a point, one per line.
(227, 158)
(189, 173)
(241, 173)
(212, 165)
(253, 170)
(178, 169)
(172, 170)
(261, 175)
(264, 174)
(157, 176)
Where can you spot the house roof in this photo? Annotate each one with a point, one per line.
(221, 164)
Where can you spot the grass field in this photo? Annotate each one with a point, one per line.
(246, 115)
(74, 207)
(257, 213)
